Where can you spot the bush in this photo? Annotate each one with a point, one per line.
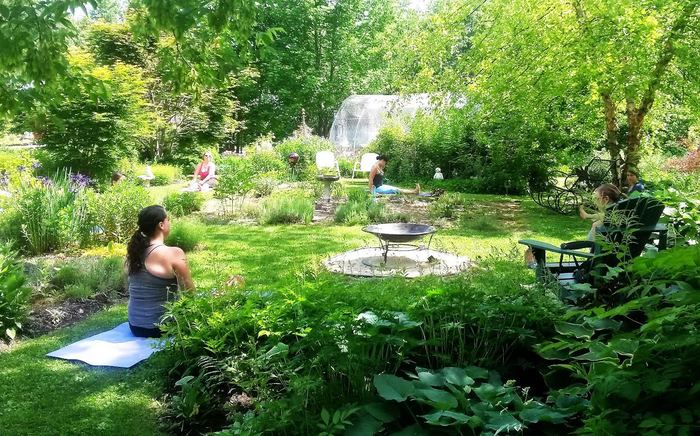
(450, 140)
(447, 206)
(183, 203)
(14, 295)
(317, 345)
(114, 212)
(85, 277)
(164, 174)
(186, 235)
(306, 148)
(103, 120)
(287, 210)
(51, 214)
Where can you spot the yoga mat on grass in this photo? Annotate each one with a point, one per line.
(117, 347)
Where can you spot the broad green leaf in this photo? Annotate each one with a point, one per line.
(184, 380)
(279, 350)
(476, 373)
(577, 330)
(383, 412)
(446, 418)
(536, 412)
(393, 388)
(431, 379)
(502, 422)
(597, 351)
(437, 398)
(457, 376)
(365, 424)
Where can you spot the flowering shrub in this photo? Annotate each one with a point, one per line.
(687, 164)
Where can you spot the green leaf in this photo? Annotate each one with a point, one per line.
(576, 330)
(365, 424)
(536, 412)
(502, 422)
(431, 379)
(476, 373)
(184, 380)
(393, 388)
(597, 352)
(383, 412)
(279, 350)
(446, 418)
(437, 398)
(457, 376)
(325, 416)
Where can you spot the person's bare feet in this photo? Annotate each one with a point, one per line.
(417, 188)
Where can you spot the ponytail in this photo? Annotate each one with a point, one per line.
(149, 218)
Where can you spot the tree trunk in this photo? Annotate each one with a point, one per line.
(611, 137)
(635, 120)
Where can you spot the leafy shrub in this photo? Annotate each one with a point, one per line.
(636, 361)
(164, 174)
(447, 206)
(101, 122)
(456, 400)
(10, 161)
(346, 166)
(306, 148)
(85, 277)
(287, 210)
(186, 235)
(183, 203)
(256, 172)
(264, 184)
(687, 164)
(450, 140)
(315, 345)
(115, 211)
(52, 215)
(14, 295)
(351, 213)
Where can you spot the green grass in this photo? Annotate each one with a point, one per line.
(45, 396)
(39, 395)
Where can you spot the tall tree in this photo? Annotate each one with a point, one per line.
(324, 51)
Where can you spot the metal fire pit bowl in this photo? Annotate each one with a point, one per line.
(398, 235)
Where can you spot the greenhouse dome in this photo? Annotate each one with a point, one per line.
(360, 118)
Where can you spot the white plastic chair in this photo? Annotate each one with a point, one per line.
(365, 163)
(326, 159)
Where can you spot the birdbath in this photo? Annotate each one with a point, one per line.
(327, 179)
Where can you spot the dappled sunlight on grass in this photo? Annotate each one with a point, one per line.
(71, 396)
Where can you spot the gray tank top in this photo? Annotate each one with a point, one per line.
(147, 295)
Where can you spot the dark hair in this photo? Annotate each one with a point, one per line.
(611, 191)
(116, 176)
(149, 218)
(633, 172)
(382, 157)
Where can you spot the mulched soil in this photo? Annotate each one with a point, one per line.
(46, 316)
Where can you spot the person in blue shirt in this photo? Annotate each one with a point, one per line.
(633, 182)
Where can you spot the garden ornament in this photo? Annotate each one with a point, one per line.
(438, 174)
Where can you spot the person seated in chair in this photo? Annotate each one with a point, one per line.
(603, 196)
(633, 182)
(204, 175)
(155, 272)
(376, 180)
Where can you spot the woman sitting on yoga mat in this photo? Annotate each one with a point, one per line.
(154, 271)
(376, 180)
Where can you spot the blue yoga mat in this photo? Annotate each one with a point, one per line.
(117, 347)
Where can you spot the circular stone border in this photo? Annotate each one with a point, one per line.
(409, 264)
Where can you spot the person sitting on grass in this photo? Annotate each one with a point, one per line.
(204, 174)
(155, 272)
(603, 196)
(376, 180)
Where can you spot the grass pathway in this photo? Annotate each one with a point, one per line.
(44, 396)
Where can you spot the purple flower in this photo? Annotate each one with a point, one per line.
(21, 168)
(79, 181)
(45, 180)
(36, 165)
(4, 179)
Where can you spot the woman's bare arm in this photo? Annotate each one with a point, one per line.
(196, 171)
(372, 173)
(181, 269)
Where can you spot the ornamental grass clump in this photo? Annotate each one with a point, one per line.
(287, 210)
(186, 235)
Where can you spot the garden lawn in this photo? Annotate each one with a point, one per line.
(39, 395)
